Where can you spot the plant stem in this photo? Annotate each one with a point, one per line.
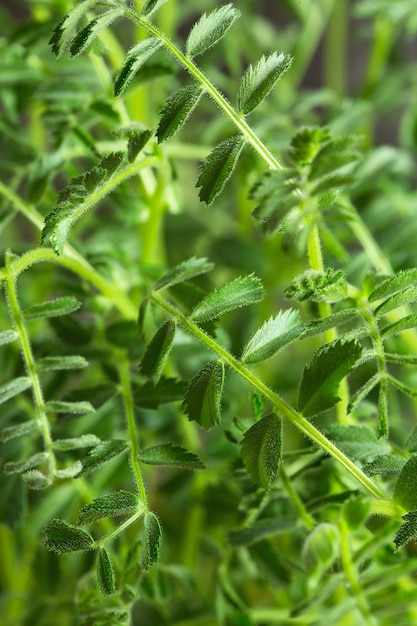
(120, 529)
(284, 409)
(336, 48)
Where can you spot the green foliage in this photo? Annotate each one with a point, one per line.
(137, 56)
(210, 28)
(111, 505)
(157, 351)
(240, 292)
(261, 449)
(152, 541)
(168, 454)
(272, 336)
(62, 538)
(105, 573)
(202, 399)
(259, 80)
(218, 168)
(177, 110)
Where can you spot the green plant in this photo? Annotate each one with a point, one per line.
(142, 330)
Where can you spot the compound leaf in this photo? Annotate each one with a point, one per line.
(157, 352)
(152, 541)
(53, 308)
(202, 400)
(105, 573)
(184, 271)
(320, 381)
(240, 292)
(102, 453)
(87, 34)
(405, 488)
(135, 58)
(261, 450)
(210, 28)
(276, 333)
(111, 505)
(62, 538)
(177, 110)
(218, 168)
(14, 387)
(410, 321)
(259, 79)
(168, 454)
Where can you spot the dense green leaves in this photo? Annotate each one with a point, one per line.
(261, 450)
(168, 454)
(321, 379)
(136, 57)
(218, 168)
(184, 271)
(259, 79)
(202, 400)
(386, 464)
(63, 538)
(114, 504)
(157, 352)
(276, 333)
(87, 34)
(152, 540)
(240, 292)
(14, 387)
(210, 28)
(105, 573)
(405, 488)
(53, 308)
(177, 110)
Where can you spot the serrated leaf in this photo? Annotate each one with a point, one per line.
(386, 464)
(202, 400)
(405, 492)
(259, 79)
(402, 298)
(150, 6)
(259, 531)
(152, 541)
(63, 538)
(168, 454)
(56, 363)
(276, 333)
(238, 293)
(71, 471)
(20, 430)
(177, 110)
(18, 467)
(321, 379)
(111, 505)
(77, 408)
(183, 272)
(105, 573)
(101, 454)
(218, 168)
(74, 443)
(166, 390)
(335, 320)
(14, 387)
(63, 32)
(410, 321)
(7, 336)
(52, 308)
(261, 450)
(210, 28)
(87, 34)
(358, 442)
(137, 141)
(135, 58)
(407, 531)
(34, 479)
(394, 284)
(156, 354)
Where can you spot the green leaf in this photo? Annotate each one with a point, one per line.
(71, 471)
(335, 320)
(335, 154)
(87, 34)
(54, 363)
(177, 110)
(210, 28)
(394, 284)
(238, 293)
(152, 541)
(101, 454)
(64, 31)
(77, 408)
(259, 79)
(63, 538)
(358, 442)
(202, 400)
(407, 531)
(150, 6)
(306, 143)
(20, 430)
(105, 573)
(405, 492)
(183, 272)
(168, 454)
(138, 136)
(260, 530)
(410, 321)
(403, 298)
(74, 443)
(112, 505)
(321, 379)
(261, 450)
(14, 387)
(53, 308)
(156, 354)
(386, 464)
(135, 58)
(166, 390)
(18, 467)
(276, 333)
(218, 168)
(328, 286)
(34, 479)
(7, 336)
